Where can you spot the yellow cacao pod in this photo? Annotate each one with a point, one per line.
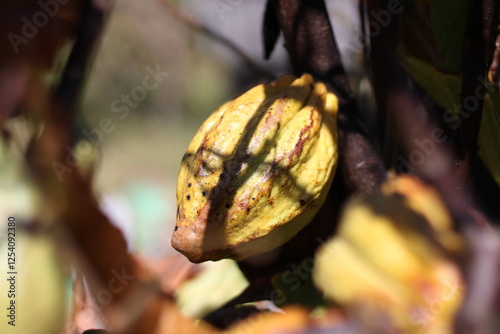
(390, 263)
(257, 171)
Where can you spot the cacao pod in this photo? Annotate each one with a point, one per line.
(257, 171)
(388, 262)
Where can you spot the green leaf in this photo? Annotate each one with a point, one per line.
(443, 88)
(295, 286)
(448, 20)
(489, 135)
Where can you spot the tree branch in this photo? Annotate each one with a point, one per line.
(312, 47)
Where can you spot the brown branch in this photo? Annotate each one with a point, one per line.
(311, 44)
(82, 55)
(312, 47)
(381, 64)
(51, 146)
(99, 247)
(203, 29)
(133, 301)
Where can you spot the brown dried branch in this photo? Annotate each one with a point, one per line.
(138, 305)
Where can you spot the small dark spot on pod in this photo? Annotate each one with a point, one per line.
(227, 205)
(188, 197)
(204, 193)
(189, 185)
(248, 209)
(175, 228)
(253, 198)
(302, 202)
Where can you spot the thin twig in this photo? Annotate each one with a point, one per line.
(198, 26)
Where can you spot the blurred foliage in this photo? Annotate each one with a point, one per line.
(216, 285)
(42, 300)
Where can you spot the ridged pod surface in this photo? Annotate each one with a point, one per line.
(257, 170)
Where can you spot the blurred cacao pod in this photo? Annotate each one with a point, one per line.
(389, 263)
